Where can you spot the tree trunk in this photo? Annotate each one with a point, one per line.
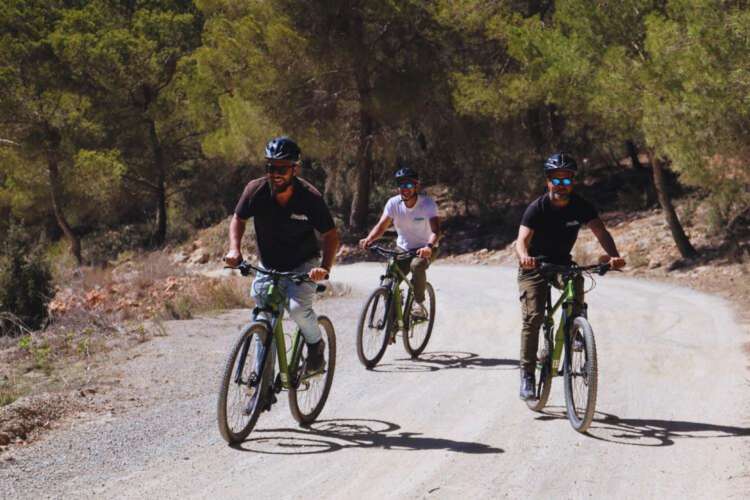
(633, 154)
(361, 199)
(632, 150)
(56, 190)
(660, 185)
(161, 190)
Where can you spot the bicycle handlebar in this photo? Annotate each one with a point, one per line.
(387, 252)
(547, 267)
(246, 267)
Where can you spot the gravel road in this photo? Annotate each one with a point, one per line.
(673, 420)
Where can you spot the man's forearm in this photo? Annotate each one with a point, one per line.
(435, 234)
(330, 246)
(236, 231)
(608, 244)
(377, 232)
(522, 249)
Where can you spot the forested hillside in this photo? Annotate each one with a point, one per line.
(128, 125)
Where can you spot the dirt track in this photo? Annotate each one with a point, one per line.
(673, 421)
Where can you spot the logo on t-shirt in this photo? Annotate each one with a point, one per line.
(418, 219)
(572, 223)
(298, 217)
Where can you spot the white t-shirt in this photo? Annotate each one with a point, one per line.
(412, 224)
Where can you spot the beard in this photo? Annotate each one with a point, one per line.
(407, 198)
(561, 196)
(280, 188)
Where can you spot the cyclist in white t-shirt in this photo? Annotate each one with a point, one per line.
(415, 217)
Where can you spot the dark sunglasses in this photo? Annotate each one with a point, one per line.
(565, 181)
(407, 185)
(278, 169)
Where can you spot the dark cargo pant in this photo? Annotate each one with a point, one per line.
(532, 288)
(418, 267)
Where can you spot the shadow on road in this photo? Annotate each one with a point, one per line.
(333, 435)
(648, 432)
(434, 361)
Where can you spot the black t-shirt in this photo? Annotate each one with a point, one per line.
(556, 229)
(285, 235)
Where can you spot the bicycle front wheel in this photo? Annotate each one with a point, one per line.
(580, 375)
(308, 395)
(418, 329)
(372, 329)
(244, 383)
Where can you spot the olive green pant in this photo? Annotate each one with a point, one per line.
(418, 267)
(532, 288)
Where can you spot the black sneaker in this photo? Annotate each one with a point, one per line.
(528, 385)
(316, 362)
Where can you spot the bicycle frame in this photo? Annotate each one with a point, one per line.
(275, 306)
(394, 271)
(565, 303)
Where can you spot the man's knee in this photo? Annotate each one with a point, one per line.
(299, 310)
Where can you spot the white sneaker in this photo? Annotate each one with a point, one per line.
(418, 310)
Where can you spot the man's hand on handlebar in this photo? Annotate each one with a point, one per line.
(614, 262)
(233, 258)
(527, 262)
(424, 252)
(365, 243)
(318, 273)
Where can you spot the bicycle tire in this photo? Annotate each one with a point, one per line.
(318, 387)
(416, 344)
(379, 297)
(253, 405)
(580, 373)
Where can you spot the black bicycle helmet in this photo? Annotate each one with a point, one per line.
(406, 173)
(282, 148)
(560, 161)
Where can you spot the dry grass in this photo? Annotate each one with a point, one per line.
(208, 295)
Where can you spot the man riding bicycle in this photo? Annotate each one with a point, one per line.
(549, 227)
(287, 211)
(417, 223)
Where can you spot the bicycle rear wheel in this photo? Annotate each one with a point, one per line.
(580, 375)
(418, 331)
(307, 396)
(372, 329)
(244, 384)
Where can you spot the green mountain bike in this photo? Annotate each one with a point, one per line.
(248, 385)
(575, 337)
(388, 311)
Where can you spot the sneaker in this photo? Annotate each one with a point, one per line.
(418, 310)
(316, 362)
(528, 385)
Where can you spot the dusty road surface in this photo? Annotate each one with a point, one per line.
(673, 421)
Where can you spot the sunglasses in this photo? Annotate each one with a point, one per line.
(278, 169)
(407, 185)
(565, 181)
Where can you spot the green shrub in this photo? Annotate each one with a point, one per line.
(25, 283)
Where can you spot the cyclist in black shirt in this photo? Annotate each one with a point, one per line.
(287, 211)
(549, 227)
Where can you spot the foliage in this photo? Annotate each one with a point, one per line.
(153, 115)
(25, 283)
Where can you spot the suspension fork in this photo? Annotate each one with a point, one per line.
(260, 358)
